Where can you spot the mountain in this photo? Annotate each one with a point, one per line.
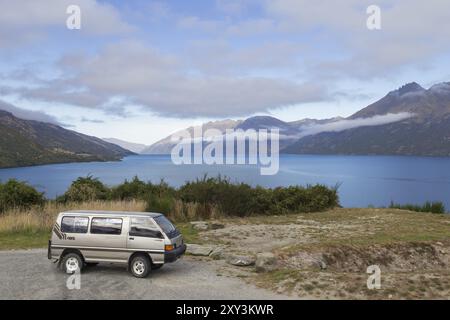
(134, 147)
(164, 146)
(425, 132)
(411, 98)
(411, 120)
(29, 142)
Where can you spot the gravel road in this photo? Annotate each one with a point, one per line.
(28, 274)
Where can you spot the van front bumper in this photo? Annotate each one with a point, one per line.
(173, 255)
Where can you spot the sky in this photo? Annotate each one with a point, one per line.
(138, 70)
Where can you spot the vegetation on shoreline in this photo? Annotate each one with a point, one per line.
(430, 207)
(26, 217)
(201, 199)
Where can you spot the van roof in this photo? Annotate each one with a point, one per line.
(114, 213)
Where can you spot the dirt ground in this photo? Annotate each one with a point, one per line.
(326, 255)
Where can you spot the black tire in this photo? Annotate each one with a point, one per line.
(156, 266)
(140, 266)
(72, 259)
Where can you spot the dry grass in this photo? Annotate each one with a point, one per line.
(41, 219)
(190, 211)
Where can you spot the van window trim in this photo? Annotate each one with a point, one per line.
(88, 227)
(106, 234)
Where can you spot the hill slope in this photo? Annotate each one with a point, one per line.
(133, 147)
(425, 133)
(28, 142)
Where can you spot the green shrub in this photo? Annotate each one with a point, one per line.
(86, 189)
(240, 199)
(134, 189)
(138, 189)
(162, 205)
(208, 197)
(429, 207)
(17, 194)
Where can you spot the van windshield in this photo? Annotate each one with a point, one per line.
(167, 226)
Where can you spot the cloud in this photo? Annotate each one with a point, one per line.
(193, 22)
(84, 119)
(23, 22)
(408, 38)
(130, 72)
(346, 124)
(273, 56)
(28, 114)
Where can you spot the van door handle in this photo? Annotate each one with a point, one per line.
(130, 238)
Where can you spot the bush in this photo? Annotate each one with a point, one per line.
(86, 189)
(135, 189)
(138, 189)
(162, 205)
(429, 207)
(17, 194)
(208, 197)
(242, 200)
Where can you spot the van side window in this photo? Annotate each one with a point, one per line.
(106, 226)
(144, 227)
(74, 224)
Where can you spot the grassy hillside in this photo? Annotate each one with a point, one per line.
(26, 142)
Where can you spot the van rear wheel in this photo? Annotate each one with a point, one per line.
(71, 263)
(140, 266)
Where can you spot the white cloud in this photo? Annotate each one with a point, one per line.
(28, 114)
(346, 124)
(132, 73)
(23, 21)
(413, 32)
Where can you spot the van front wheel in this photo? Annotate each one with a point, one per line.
(140, 266)
(71, 263)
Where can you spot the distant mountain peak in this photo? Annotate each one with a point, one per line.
(411, 87)
(439, 87)
(259, 122)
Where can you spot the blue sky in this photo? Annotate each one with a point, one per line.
(139, 70)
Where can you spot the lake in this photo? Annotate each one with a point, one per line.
(365, 180)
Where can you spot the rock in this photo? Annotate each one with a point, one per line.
(198, 250)
(199, 225)
(265, 261)
(217, 254)
(321, 264)
(440, 244)
(241, 261)
(216, 225)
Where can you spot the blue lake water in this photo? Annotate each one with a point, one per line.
(365, 180)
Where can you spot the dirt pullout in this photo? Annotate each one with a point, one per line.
(326, 255)
(399, 257)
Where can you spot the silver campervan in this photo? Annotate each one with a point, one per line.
(141, 240)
